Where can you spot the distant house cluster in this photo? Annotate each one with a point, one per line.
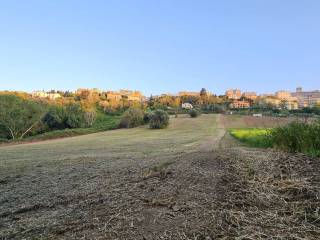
(280, 99)
(187, 99)
(125, 94)
(306, 98)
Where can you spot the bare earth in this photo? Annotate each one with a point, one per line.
(190, 181)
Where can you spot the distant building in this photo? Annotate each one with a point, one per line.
(39, 94)
(185, 93)
(187, 106)
(114, 96)
(272, 101)
(135, 96)
(291, 105)
(53, 96)
(308, 98)
(43, 94)
(240, 104)
(125, 94)
(79, 91)
(287, 99)
(283, 95)
(233, 94)
(250, 95)
(267, 95)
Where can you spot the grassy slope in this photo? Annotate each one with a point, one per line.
(181, 135)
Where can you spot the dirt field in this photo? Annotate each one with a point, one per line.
(190, 181)
(238, 121)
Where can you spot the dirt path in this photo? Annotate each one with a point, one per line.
(187, 182)
(214, 142)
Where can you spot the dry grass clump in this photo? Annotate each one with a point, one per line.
(159, 170)
(272, 198)
(131, 118)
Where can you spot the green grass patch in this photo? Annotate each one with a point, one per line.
(294, 137)
(106, 122)
(254, 137)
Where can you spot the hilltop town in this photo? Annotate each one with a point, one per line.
(233, 98)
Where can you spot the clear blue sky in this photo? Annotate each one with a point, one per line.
(160, 45)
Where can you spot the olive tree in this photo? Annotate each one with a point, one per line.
(19, 116)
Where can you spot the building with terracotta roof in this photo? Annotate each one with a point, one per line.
(240, 104)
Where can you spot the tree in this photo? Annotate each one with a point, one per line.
(283, 104)
(55, 117)
(89, 118)
(204, 96)
(19, 116)
(69, 116)
(75, 116)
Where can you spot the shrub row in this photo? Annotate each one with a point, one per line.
(134, 117)
(20, 117)
(298, 137)
(294, 137)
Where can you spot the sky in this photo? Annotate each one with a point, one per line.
(160, 46)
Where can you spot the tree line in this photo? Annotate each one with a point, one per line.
(20, 117)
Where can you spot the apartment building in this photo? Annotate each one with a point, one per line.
(283, 95)
(306, 98)
(233, 94)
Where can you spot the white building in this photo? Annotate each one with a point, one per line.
(187, 106)
(43, 94)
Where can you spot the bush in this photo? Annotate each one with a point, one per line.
(70, 116)
(54, 119)
(75, 116)
(159, 119)
(147, 117)
(298, 137)
(194, 113)
(133, 117)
